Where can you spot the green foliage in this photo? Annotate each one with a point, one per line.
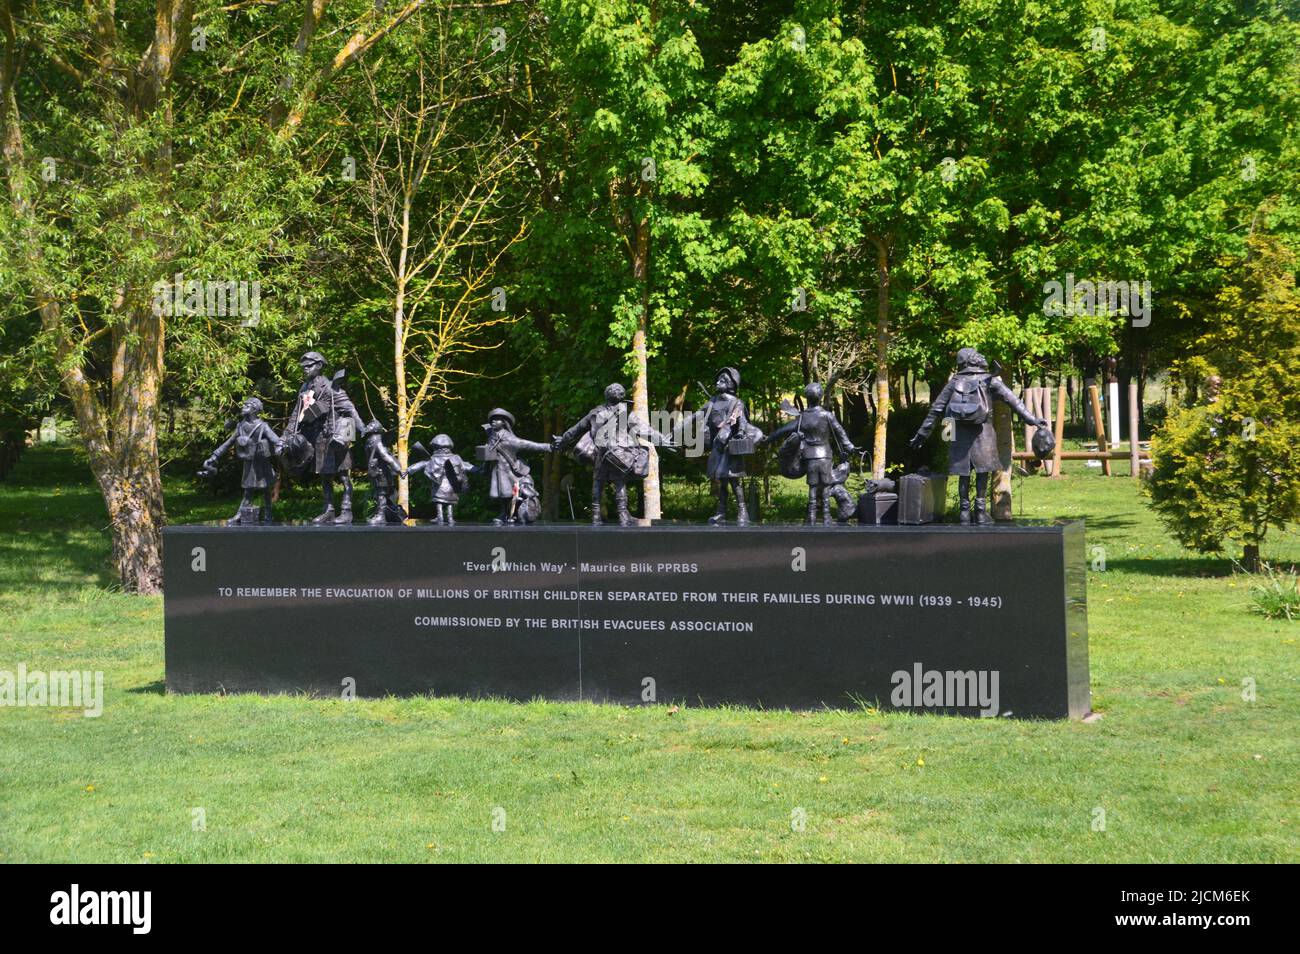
(985, 147)
(1276, 594)
(1229, 470)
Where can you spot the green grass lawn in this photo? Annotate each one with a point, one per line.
(1183, 768)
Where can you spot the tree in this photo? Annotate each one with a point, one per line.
(444, 204)
(1230, 469)
(840, 126)
(639, 111)
(130, 157)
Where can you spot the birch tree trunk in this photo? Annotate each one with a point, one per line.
(641, 385)
(882, 360)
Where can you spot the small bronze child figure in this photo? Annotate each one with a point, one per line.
(449, 476)
(257, 446)
(322, 426)
(609, 437)
(810, 436)
(731, 438)
(512, 484)
(967, 398)
(383, 469)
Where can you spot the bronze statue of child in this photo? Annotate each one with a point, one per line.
(449, 475)
(257, 445)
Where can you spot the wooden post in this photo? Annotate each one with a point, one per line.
(1035, 407)
(1133, 428)
(1045, 400)
(1001, 494)
(1059, 431)
(1100, 424)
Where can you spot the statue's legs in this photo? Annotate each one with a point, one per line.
(381, 506)
(981, 491)
(812, 505)
(826, 506)
(327, 495)
(448, 514)
(247, 501)
(345, 511)
(620, 503)
(963, 492)
(267, 515)
(742, 512)
(503, 512)
(597, 497)
(720, 491)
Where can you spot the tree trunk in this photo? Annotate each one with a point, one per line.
(119, 430)
(404, 409)
(403, 412)
(882, 361)
(641, 386)
(1250, 557)
(135, 514)
(1002, 425)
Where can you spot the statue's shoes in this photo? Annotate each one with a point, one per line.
(345, 516)
(325, 516)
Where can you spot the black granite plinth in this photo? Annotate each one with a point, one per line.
(930, 618)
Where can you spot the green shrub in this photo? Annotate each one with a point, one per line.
(1276, 593)
(1229, 470)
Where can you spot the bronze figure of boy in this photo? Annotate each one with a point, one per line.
(609, 437)
(816, 433)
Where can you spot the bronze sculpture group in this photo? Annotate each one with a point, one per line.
(323, 424)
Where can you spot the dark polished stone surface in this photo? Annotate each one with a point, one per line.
(618, 607)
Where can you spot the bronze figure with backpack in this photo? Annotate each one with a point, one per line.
(967, 400)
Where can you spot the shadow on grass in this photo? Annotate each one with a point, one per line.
(155, 688)
(70, 562)
(1173, 566)
(1094, 522)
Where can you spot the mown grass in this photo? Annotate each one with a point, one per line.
(1183, 767)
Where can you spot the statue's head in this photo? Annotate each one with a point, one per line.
(813, 392)
(251, 406)
(312, 364)
(615, 394)
(501, 419)
(374, 427)
(968, 359)
(442, 441)
(728, 380)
